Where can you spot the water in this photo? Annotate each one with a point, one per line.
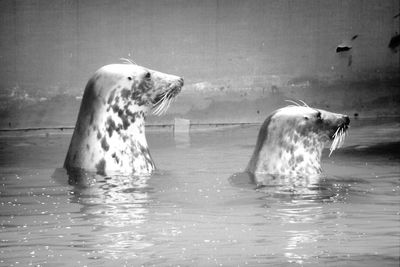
(190, 214)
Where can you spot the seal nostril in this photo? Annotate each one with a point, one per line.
(181, 82)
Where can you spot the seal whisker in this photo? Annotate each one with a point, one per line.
(161, 99)
(338, 139)
(163, 106)
(293, 102)
(169, 103)
(342, 137)
(158, 107)
(298, 104)
(334, 142)
(127, 60)
(158, 110)
(159, 102)
(165, 103)
(304, 103)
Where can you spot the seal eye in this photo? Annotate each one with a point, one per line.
(306, 118)
(147, 76)
(130, 78)
(319, 116)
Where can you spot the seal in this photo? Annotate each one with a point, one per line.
(290, 144)
(109, 135)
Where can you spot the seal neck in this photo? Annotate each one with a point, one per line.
(290, 155)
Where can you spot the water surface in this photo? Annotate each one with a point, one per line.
(190, 214)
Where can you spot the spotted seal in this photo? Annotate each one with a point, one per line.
(109, 135)
(290, 144)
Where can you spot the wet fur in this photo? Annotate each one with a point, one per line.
(262, 136)
(290, 143)
(109, 136)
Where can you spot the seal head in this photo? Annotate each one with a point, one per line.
(109, 135)
(290, 143)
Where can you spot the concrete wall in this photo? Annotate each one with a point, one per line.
(240, 59)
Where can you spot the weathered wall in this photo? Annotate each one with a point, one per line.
(240, 59)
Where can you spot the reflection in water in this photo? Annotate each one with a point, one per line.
(182, 139)
(298, 217)
(298, 212)
(289, 182)
(300, 208)
(116, 206)
(313, 187)
(301, 240)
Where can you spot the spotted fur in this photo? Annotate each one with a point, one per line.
(109, 136)
(290, 143)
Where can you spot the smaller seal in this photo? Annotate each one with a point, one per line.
(109, 135)
(290, 144)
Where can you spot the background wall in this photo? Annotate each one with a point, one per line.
(240, 59)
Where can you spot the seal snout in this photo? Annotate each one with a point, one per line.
(162, 100)
(344, 122)
(341, 124)
(180, 82)
(176, 86)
